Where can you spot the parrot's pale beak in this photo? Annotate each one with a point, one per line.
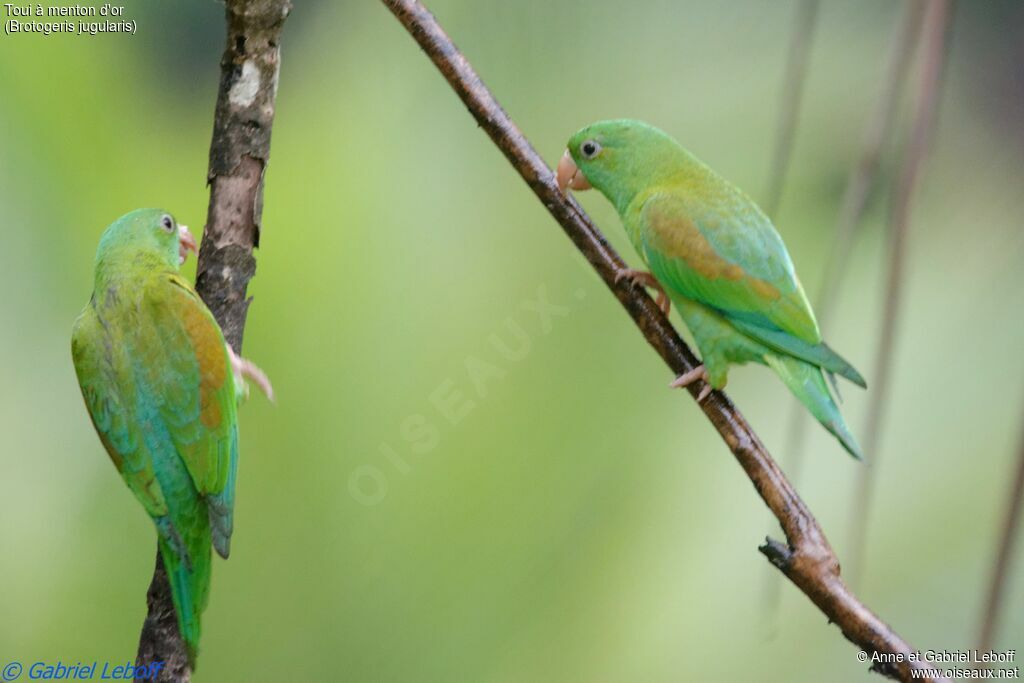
(569, 175)
(186, 243)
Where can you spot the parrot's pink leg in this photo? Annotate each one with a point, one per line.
(645, 279)
(243, 367)
(688, 378)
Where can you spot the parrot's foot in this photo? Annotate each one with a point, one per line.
(688, 378)
(645, 279)
(245, 368)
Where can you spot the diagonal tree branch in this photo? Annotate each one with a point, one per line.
(806, 558)
(935, 32)
(239, 152)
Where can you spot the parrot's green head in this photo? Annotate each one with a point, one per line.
(620, 158)
(147, 238)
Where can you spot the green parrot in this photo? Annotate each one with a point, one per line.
(714, 254)
(162, 386)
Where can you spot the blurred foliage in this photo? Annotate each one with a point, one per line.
(580, 522)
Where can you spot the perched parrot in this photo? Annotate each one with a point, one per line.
(161, 387)
(714, 254)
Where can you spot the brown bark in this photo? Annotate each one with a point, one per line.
(239, 153)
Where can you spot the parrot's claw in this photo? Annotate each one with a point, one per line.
(688, 378)
(645, 279)
(245, 368)
(663, 303)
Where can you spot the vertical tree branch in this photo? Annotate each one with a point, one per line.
(238, 159)
(239, 152)
(792, 95)
(806, 558)
(936, 30)
(1004, 555)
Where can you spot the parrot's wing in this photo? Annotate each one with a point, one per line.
(729, 257)
(97, 358)
(190, 371)
(739, 267)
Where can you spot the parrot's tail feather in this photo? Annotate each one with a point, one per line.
(807, 382)
(221, 522)
(841, 366)
(189, 577)
(818, 354)
(221, 505)
(834, 384)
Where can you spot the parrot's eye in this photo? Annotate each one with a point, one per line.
(590, 149)
(167, 223)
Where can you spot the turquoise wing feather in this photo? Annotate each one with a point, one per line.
(99, 362)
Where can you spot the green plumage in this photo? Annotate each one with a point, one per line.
(719, 260)
(156, 377)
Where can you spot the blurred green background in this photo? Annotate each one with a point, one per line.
(579, 521)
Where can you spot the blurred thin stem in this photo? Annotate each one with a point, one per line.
(1004, 555)
(859, 185)
(792, 95)
(935, 35)
(239, 152)
(862, 177)
(806, 557)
